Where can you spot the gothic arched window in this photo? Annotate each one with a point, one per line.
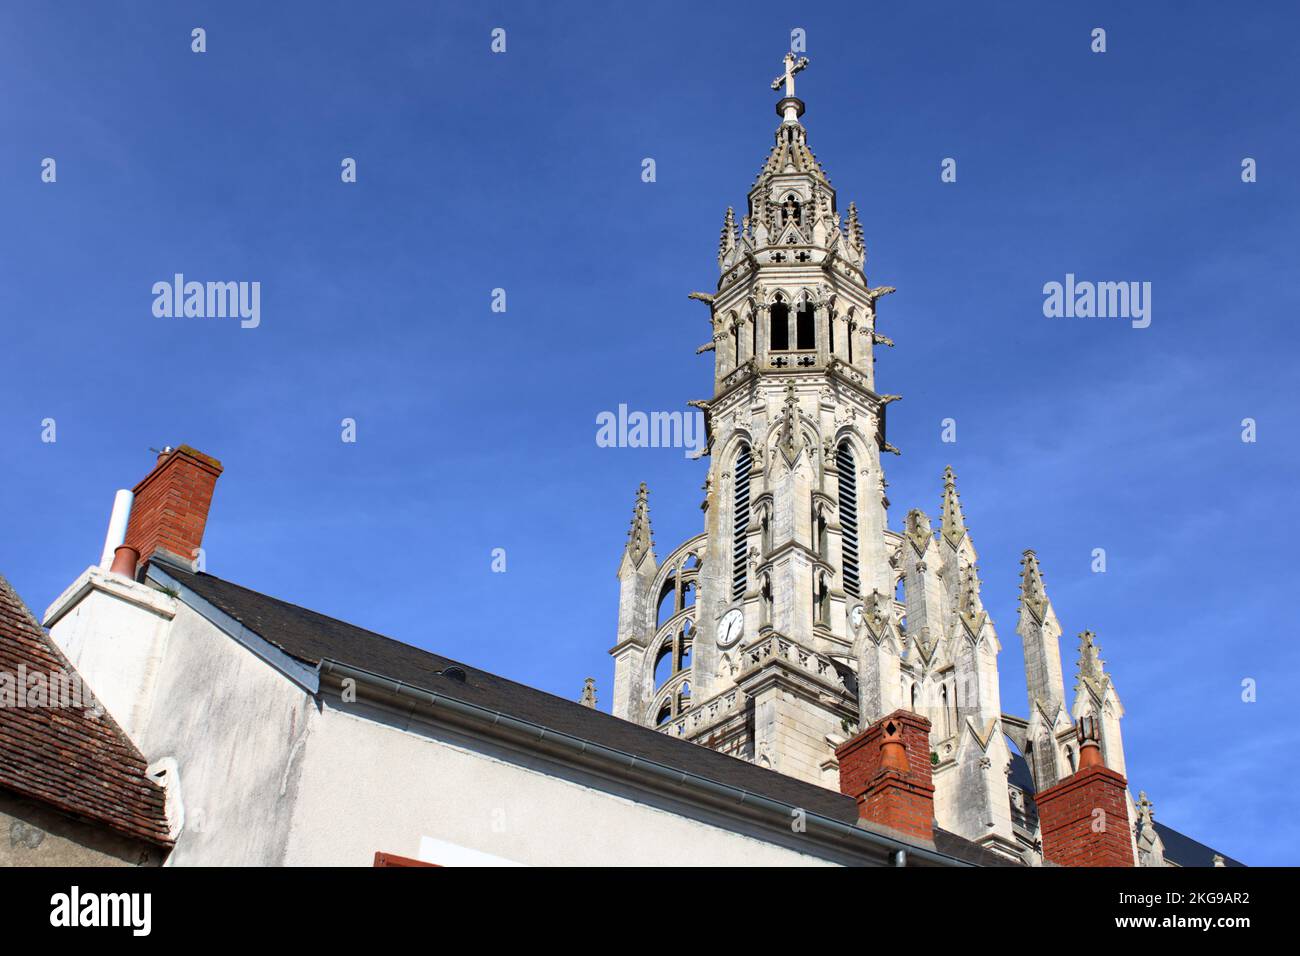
(849, 518)
(740, 523)
(779, 320)
(805, 332)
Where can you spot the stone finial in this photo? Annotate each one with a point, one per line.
(878, 615)
(588, 698)
(953, 527)
(1033, 594)
(969, 604)
(917, 529)
(1146, 810)
(727, 241)
(854, 227)
(1091, 667)
(1151, 849)
(639, 537)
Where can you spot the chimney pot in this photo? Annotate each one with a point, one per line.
(125, 561)
(893, 752)
(1089, 737)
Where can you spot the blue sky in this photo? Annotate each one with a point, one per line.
(521, 171)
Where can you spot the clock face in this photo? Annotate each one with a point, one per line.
(855, 616)
(731, 627)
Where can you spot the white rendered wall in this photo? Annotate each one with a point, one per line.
(369, 787)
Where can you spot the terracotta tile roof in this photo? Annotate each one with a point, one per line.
(69, 757)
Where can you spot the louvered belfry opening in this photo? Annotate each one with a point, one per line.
(805, 328)
(779, 320)
(849, 518)
(740, 523)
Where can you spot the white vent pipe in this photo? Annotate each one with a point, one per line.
(116, 527)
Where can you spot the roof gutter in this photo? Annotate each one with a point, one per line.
(898, 851)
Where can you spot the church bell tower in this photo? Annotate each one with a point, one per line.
(795, 538)
(798, 617)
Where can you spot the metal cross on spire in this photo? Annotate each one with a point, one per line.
(792, 66)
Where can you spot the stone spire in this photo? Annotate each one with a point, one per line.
(790, 154)
(972, 783)
(1033, 595)
(1040, 634)
(876, 648)
(1095, 696)
(640, 541)
(953, 528)
(588, 698)
(920, 562)
(636, 609)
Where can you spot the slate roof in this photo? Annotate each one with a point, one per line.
(1020, 775)
(1183, 850)
(310, 637)
(69, 757)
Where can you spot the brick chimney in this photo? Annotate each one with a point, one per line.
(1084, 818)
(172, 502)
(886, 768)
